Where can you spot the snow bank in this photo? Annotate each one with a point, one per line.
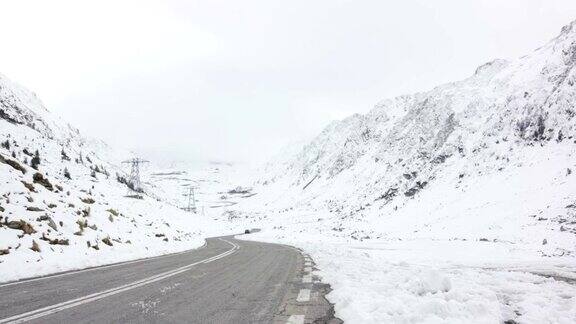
(437, 282)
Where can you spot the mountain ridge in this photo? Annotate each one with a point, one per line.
(500, 125)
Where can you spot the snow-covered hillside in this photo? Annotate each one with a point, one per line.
(62, 198)
(506, 134)
(456, 201)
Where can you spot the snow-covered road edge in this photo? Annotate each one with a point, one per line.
(379, 283)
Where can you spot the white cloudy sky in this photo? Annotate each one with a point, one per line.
(236, 80)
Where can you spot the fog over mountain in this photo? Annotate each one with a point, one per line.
(222, 80)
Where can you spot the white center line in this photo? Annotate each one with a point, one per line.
(305, 279)
(296, 319)
(308, 269)
(303, 296)
(24, 317)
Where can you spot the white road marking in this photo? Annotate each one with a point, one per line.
(305, 279)
(96, 268)
(303, 296)
(28, 316)
(308, 269)
(296, 319)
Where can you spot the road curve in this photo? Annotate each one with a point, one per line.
(226, 281)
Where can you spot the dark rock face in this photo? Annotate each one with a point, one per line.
(14, 164)
(21, 225)
(55, 241)
(41, 180)
(8, 118)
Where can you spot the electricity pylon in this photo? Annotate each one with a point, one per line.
(191, 200)
(134, 183)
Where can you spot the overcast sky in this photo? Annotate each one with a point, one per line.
(236, 80)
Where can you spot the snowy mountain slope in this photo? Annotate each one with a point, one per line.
(22, 107)
(455, 205)
(497, 119)
(66, 208)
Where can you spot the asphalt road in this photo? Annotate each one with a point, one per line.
(226, 281)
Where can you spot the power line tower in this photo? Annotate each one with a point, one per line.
(191, 200)
(134, 184)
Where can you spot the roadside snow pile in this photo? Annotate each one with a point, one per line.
(62, 198)
(462, 198)
(435, 281)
